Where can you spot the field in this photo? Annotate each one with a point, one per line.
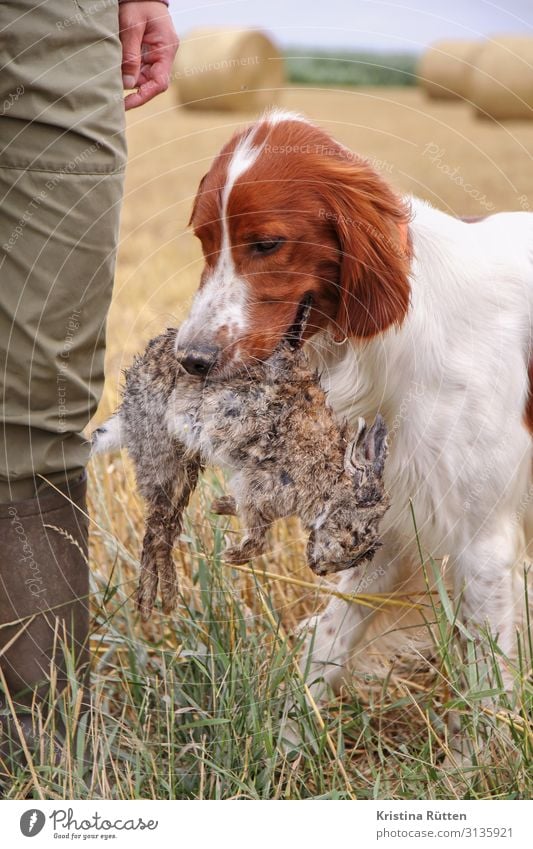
(191, 706)
(350, 69)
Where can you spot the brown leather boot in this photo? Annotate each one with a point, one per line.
(44, 602)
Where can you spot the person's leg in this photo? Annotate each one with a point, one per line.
(62, 158)
(44, 590)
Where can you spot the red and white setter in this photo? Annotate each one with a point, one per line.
(417, 315)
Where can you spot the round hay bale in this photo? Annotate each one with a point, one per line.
(445, 68)
(501, 84)
(229, 69)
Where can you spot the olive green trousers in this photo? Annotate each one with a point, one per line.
(62, 158)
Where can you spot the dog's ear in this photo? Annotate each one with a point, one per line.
(195, 202)
(370, 224)
(367, 446)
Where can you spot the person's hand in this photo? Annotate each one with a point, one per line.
(149, 44)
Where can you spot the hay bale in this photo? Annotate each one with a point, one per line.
(229, 69)
(445, 68)
(501, 84)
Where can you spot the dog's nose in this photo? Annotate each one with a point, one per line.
(198, 361)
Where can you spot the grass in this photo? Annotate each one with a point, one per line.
(350, 68)
(193, 706)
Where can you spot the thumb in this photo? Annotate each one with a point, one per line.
(131, 38)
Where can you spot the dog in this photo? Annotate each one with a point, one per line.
(270, 427)
(414, 313)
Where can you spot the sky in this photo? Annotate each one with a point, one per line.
(396, 25)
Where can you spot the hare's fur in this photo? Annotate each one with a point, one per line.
(272, 430)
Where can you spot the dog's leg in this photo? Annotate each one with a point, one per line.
(484, 577)
(485, 588)
(333, 635)
(342, 625)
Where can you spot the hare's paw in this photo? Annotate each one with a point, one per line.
(224, 506)
(234, 554)
(240, 554)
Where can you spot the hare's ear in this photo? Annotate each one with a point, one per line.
(375, 445)
(353, 451)
(367, 446)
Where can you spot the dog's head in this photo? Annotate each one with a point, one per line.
(286, 212)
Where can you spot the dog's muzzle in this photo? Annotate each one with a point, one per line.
(198, 361)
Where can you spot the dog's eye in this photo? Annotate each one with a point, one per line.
(263, 247)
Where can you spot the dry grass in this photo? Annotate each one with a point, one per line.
(192, 706)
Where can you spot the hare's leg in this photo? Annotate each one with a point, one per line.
(166, 501)
(253, 543)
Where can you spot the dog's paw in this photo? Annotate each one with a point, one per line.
(299, 738)
(291, 741)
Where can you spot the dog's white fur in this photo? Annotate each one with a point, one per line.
(452, 385)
